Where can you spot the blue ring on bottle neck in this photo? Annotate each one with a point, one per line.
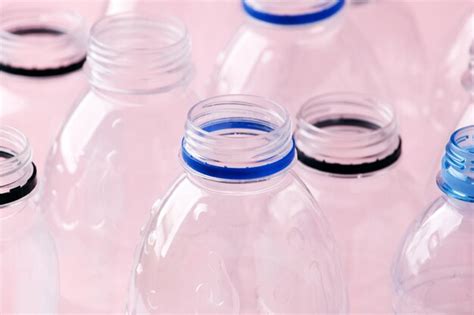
(455, 178)
(233, 173)
(293, 19)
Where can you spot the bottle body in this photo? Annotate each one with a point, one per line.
(367, 222)
(426, 277)
(255, 248)
(291, 63)
(95, 177)
(28, 262)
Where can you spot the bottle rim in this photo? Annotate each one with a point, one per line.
(347, 134)
(133, 66)
(65, 49)
(456, 178)
(309, 14)
(15, 157)
(237, 138)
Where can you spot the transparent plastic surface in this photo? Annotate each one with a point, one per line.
(41, 54)
(291, 63)
(115, 154)
(224, 246)
(452, 84)
(28, 261)
(451, 116)
(434, 270)
(342, 139)
(391, 31)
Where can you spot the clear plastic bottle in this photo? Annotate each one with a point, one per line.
(41, 56)
(115, 153)
(349, 152)
(292, 50)
(238, 233)
(28, 261)
(433, 272)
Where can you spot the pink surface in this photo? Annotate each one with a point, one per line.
(211, 25)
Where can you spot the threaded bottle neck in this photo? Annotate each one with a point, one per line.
(134, 54)
(237, 138)
(346, 134)
(292, 12)
(456, 178)
(40, 43)
(17, 172)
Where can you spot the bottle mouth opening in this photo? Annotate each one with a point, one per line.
(15, 150)
(39, 42)
(17, 172)
(237, 138)
(347, 134)
(133, 53)
(292, 12)
(456, 178)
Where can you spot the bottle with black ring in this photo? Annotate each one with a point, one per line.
(350, 154)
(29, 271)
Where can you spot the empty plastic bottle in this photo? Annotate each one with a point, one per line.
(292, 50)
(433, 272)
(349, 152)
(238, 233)
(28, 262)
(41, 56)
(115, 153)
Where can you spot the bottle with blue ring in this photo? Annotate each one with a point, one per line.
(291, 50)
(256, 238)
(433, 272)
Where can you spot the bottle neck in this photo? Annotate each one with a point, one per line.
(17, 172)
(347, 135)
(292, 12)
(131, 54)
(41, 43)
(237, 138)
(456, 178)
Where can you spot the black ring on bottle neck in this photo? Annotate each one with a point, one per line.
(349, 169)
(19, 192)
(46, 72)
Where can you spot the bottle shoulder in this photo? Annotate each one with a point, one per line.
(270, 236)
(445, 230)
(285, 204)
